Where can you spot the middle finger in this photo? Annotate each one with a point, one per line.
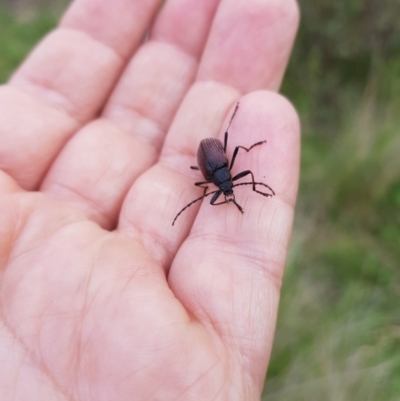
(148, 210)
(96, 168)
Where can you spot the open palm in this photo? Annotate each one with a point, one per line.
(101, 297)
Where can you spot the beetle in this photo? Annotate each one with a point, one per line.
(215, 167)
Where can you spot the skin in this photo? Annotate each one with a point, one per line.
(100, 297)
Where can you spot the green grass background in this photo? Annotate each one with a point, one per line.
(338, 335)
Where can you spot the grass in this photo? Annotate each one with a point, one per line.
(19, 36)
(339, 323)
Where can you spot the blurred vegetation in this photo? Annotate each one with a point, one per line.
(339, 324)
(338, 330)
(19, 35)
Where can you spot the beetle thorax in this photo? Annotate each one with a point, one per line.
(226, 187)
(222, 179)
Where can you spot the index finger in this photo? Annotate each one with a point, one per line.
(228, 272)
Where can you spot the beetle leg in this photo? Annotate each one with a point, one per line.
(200, 184)
(258, 183)
(243, 174)
(235, 152)
(225, 141)
(215, 197)
(194, 167)
(253, 183)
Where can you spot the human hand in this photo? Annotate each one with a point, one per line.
(101, 298)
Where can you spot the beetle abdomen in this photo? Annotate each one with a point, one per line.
(211, 156)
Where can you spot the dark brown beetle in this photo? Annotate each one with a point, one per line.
(213, 164)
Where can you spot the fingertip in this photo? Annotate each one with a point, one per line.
(269, 115)
(250, 43)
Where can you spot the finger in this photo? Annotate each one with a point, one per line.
(228, 272)
(185, 24)
(65, 81)
(96, 168)
(76, 65)
(7, 184)
(250, 43)
(120, 25)
(31, 133)
(161, 72)
(200, 116)
(159, 193)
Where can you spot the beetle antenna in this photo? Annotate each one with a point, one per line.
(258, 183)
(191, 203)
(238, 206)
(233, 115)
